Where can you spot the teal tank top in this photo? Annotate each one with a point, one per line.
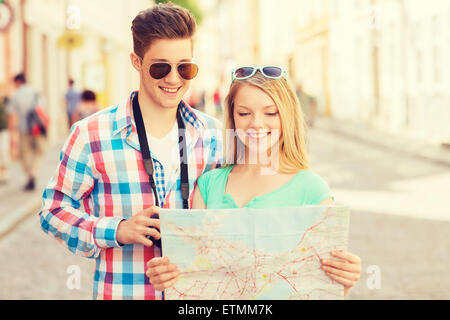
(305, 188)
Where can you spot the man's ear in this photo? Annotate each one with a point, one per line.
(136, 61)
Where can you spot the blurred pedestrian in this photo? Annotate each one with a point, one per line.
(72, 100)
(4, 141)
(87, 106)
(202, 101)
(31, 147)
(308, 103)
(102, 201)
(194, 99)
(217, 101)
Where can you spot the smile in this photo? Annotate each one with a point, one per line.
(258, 135)
(170, 90)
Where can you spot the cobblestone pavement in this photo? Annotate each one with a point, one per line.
(408, 241)
(36, 267)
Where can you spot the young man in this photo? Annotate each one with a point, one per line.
(4, 140)
(73, 98)
(31, 148)
(100, 203)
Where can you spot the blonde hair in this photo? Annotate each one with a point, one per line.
(292, 144)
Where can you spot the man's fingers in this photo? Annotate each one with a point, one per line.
(152, 232)
(145, 241)
(148, 222)
(154, 210)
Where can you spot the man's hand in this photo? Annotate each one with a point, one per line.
(137, 228)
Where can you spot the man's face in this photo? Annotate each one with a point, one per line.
(17, 83)
(168, 91)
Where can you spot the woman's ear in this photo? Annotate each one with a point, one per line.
(136, 61)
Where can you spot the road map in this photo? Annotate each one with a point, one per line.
(254, 253)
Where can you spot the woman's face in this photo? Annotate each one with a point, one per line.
(256, 119)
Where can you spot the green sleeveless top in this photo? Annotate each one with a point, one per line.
(305, 188)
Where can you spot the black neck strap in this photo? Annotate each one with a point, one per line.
(148, 162)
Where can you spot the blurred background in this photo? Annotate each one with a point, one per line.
(373, 77)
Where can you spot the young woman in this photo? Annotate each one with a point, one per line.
(266, 165)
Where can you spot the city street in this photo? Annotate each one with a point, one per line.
(399, 220)
(399, 227)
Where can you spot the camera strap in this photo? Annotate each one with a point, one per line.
(148, 162)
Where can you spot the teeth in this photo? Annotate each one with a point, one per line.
(170, 90)
(258, 135)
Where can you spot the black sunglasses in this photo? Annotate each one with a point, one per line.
(187, 70)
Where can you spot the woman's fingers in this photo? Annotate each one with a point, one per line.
(346, 270)
(341, 265)
(347, 261)
(351, 276)
(345, 282)
(159, 261)
(168, 284)
(161, 273)
(163, 278)
(346, 256)
(162, 269)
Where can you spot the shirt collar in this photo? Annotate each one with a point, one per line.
(125, 124)
(123, 117)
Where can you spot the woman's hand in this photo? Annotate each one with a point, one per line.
(346, 272)
(161, 273)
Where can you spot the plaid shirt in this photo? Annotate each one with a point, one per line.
(101, 180)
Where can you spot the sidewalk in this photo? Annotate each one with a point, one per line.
(364, 133)
(16, 204)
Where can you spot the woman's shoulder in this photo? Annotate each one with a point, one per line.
(212, 180)
(214, 174)
(312, 182)
(310, 176)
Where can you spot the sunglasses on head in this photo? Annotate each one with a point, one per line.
(186, 70)
(271, 72)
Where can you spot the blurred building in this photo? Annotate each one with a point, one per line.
(53, 40)
(312, 41)
(390, 65)
(236, 33)
(383, 62)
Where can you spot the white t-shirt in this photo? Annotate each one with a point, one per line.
(166, 151)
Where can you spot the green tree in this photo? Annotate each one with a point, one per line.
(191, 5)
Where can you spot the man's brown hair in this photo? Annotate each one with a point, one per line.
(163, 21)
